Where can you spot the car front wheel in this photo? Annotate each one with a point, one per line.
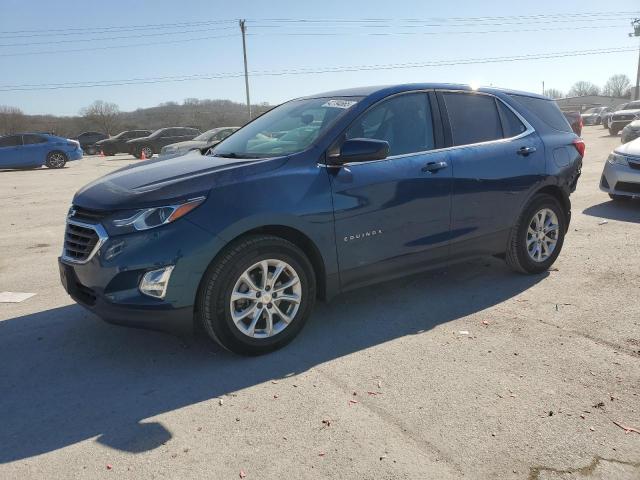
(257, 296)
(537, 237)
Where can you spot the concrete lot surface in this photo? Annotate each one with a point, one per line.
(381, 384)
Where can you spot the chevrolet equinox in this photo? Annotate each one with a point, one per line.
(318, 196)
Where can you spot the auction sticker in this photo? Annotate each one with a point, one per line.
(339, 103)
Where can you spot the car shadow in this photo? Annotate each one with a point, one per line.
(628, 211)
(66, 376)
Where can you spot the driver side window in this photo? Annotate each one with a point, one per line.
(404, 121)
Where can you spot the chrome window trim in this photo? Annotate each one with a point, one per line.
(528, 131)
(102, 238)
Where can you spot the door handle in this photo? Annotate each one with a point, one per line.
(524, 151)
(433, 167)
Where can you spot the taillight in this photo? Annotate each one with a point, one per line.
(580, 146)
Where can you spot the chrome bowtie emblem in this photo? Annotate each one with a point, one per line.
(71, 213)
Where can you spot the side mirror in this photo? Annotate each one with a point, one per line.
(362, 150)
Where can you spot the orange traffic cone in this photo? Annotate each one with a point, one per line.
(142, 155)
(102, 153)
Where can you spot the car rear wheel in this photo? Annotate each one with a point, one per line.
(614, 131)
(257, 296)
(538, 236)
(56, 160)
(605, 123)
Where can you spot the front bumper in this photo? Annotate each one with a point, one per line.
(620, 180)
(107, 284)
(75, 154)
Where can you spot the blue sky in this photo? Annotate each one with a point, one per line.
(279, 46)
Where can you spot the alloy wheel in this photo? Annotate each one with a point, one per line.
(266, 298)
(56, 160)
(542, 235)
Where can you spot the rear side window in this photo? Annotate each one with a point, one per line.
(31, 139)
(403, 121)
(545, 110)
(11, 141)
(511, 124)
(473, 118)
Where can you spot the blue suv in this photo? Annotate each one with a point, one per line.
(318, 196)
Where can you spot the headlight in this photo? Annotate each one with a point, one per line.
(617, 159)
(156, 216)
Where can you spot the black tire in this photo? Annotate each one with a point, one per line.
(517, 256)
(613, 131)
(214, 293)
(605, 123)
(91, 150)
(619, 198)
(56, 159)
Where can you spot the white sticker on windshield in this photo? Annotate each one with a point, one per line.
(335, 103)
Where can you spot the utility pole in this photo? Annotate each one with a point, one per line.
(243, 29)
(636, 33)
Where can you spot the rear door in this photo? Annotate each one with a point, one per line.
(392, 216)
(497, 158)
(11, 152)
(35, 149)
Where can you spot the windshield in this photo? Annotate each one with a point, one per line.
(290, 128)
(119, 135)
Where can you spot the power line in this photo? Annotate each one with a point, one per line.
(312, 70)
(108, 47)
(208, 37)
(440, 21)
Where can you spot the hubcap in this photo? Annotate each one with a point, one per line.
(266, 298)
(542, 235)
(56, 159)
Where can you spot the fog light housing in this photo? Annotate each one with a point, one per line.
(154, 283)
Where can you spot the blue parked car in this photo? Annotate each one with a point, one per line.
(318, 196)
(32, 150)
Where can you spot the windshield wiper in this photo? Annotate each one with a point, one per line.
(234, 155)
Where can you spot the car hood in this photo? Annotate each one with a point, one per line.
(188, 145)
(630, 148)
(590, 114)
(635, 111)
(159, 181)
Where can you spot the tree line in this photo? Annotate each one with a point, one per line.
(617, 86)
(107, 118)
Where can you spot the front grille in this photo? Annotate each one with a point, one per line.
(79, 242)
(628, 187)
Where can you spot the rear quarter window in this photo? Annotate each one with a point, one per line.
(546, 110)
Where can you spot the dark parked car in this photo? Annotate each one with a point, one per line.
(202, 142)
(622, 118)
(118, 143)
(318, 196)
(165, 136)
(88, 141)
(593, 116)
(575, 120)
(32, 150)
